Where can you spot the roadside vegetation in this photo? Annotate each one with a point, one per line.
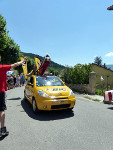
(90, 98)
(102, 89)
(79, 74)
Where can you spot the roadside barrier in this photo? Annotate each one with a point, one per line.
(108, 96)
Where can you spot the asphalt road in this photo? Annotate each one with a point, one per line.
(88, 127)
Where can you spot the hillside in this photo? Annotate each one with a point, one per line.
(52, 64)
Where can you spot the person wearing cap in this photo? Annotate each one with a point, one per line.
(3, 88)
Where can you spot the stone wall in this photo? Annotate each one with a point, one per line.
(88, 88)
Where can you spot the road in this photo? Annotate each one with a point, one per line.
(88, 127)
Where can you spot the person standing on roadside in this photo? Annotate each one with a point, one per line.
(3, 88)
(18, 80)
(22, 80)
(8, 82)
(14, 78)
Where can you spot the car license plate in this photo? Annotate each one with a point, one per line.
(61, 101)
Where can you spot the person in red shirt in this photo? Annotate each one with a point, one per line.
(3, 88)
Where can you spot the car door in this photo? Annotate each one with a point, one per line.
(31, 89)
(27, 89)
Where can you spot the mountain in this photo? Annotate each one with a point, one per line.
(52, 64)
(110, 67)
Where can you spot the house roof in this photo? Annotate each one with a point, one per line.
(110, 8)
(102, 67)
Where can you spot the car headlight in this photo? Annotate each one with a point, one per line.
(42, 93)
(71, 92)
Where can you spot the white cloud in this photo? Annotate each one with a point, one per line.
(95, 56)
(109, 54)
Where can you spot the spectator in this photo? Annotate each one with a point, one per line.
(14, 78)
(18, 80)
(12, 82)
(3, 88)
(8, 82)
(22, 79)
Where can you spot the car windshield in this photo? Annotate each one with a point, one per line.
(48, 81)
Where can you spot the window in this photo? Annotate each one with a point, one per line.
(48, 81)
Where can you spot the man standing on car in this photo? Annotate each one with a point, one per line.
(3, 88)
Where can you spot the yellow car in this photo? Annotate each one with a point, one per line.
(48, 93)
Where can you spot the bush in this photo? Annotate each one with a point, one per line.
(78, 74)
(99, 92)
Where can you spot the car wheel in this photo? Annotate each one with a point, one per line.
(70, 109)
(34, 106)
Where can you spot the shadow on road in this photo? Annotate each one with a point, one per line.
(17, 98)
(1, 138)
(111, 108)
(46, 115)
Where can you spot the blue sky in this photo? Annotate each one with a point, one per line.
(71, 31)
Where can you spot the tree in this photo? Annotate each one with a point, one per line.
(11, 53)
(79, 74)
(98, 61)
(9, 50)
(30, 63)
(53, 71)
(3, 33)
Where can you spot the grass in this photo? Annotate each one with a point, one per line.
(97, 100)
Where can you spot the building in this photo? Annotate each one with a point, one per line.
(104, 76)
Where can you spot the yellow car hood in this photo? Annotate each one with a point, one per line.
(56, 90)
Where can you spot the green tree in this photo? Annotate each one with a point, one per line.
(53, 71)
(9, 50)
(11, 53)
(98, 61)
(67, 74)
(30, 63)
(3, 33)
(79, 74)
